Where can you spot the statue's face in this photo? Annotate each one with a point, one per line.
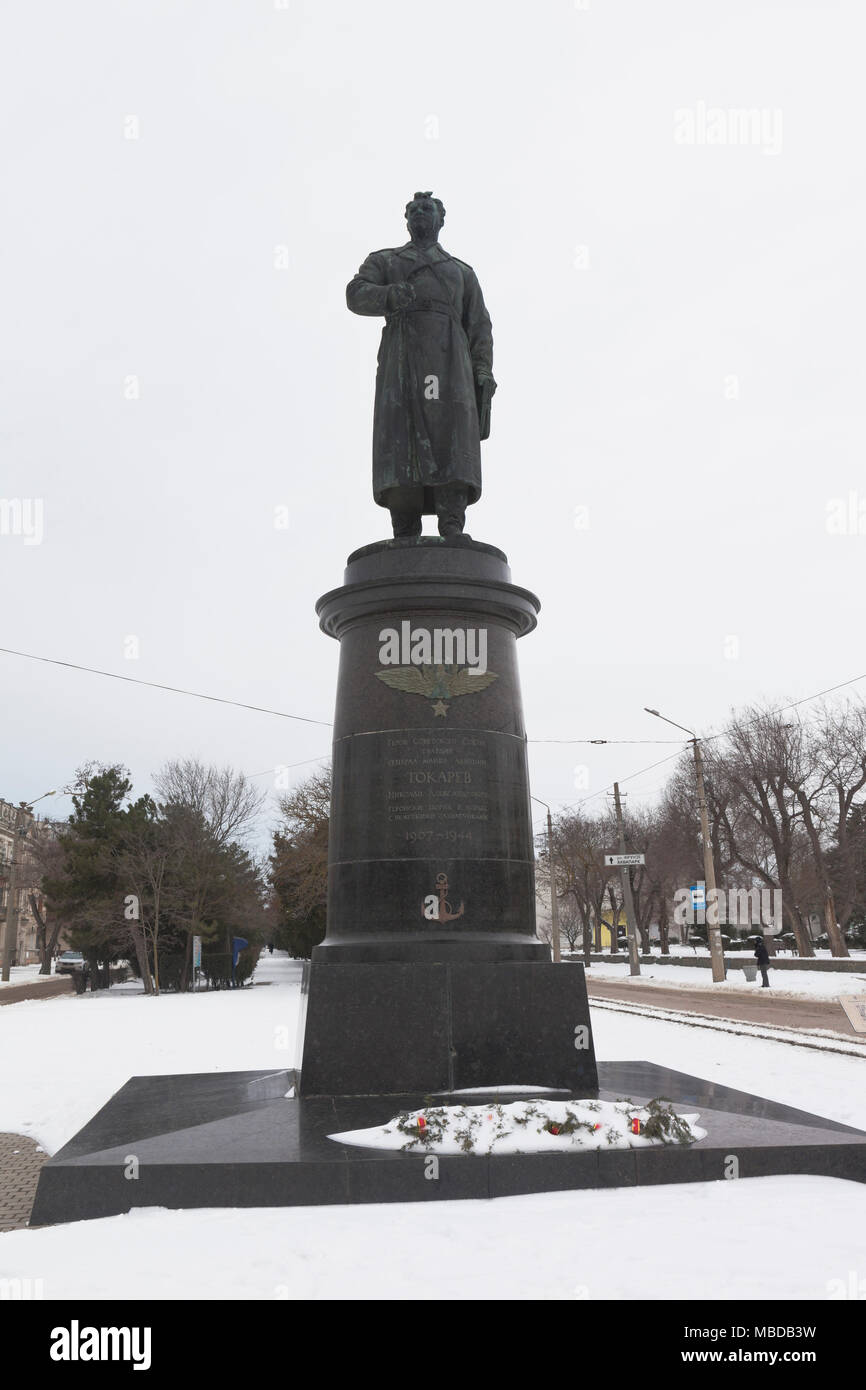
(423, 218)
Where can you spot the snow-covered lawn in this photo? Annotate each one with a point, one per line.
(24, 975)
(764, 1238)
(793, 984)
(70, 1054)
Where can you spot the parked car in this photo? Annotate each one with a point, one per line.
(69, 963)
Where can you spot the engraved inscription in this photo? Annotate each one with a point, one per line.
(436, 785)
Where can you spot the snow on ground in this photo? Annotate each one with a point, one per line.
(821, 1083)
(764, 1238)
(820, 1039)
(24, 975)
(785, 1237)
(789, 984)
(72, 1053)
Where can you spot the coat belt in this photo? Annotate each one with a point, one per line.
(426, 306)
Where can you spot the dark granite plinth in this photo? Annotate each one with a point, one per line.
(431, 860)
(403, 1026)
(429, 762)
(234, 1140)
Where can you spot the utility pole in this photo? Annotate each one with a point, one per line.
(10, 936)
(714, 936)
(554, 905)
(625, 877)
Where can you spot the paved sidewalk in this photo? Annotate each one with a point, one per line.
(20, 1162)
(49, 987)
(759, 1006)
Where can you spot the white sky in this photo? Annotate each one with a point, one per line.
(309, 127)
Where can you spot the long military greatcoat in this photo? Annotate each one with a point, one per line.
(425, 421)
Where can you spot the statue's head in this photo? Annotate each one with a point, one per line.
(425, 215)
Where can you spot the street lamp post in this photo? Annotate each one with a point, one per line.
(554, 905)
(714, 937)
(627, 896)
(11, 933)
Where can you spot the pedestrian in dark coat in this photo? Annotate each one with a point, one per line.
(762, 956)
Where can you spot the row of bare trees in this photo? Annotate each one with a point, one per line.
(786, 798)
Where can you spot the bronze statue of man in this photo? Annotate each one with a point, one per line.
(435, 376)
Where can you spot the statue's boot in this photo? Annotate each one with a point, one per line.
(405, 524)
(451, 502)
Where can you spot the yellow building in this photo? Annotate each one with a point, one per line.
(607, 927)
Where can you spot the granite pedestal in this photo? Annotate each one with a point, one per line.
(390, 1028)
(431, 974)
(238, 1139)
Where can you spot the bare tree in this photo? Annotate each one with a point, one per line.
(806, 767)
(302, 843)
(579, 845)
(764, 824)
(207, 809)
(642, 833)
(299, 863)
(144, 865)
(838, 746)
(792, 788)
(225, 800)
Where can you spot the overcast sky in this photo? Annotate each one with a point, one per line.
(678, 342)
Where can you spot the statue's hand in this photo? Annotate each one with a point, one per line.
(399, 296)
(484, 377)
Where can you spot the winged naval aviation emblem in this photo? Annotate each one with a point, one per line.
(438, 684)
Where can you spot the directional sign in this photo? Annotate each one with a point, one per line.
(624, 859)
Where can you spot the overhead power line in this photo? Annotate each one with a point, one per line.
(286, 767)
(259, 709)
(630, 778)
(175, 690)
(608, 740)
(325, 723)
(793, 705)
(781, 710)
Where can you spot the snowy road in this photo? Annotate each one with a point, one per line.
(757, 1006)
